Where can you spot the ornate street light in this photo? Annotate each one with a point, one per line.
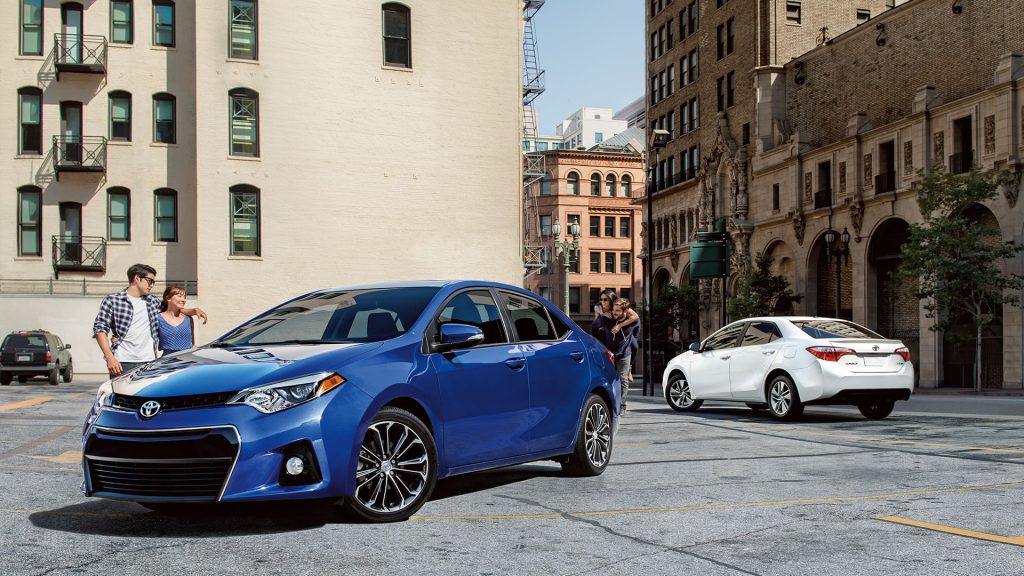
(841, 251)
(565, 250)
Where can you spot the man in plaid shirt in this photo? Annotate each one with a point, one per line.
(126, 326)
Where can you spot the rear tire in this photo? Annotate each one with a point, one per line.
(69, 373)
(783, 398)
(877, 410)
(678, 395)
(593, 440)
(53, 377)
(5, 378)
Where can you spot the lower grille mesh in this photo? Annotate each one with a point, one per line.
(196, 478)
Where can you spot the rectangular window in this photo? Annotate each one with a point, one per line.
(243, 30)
(654, 89)
(661, 41)
(684, 118)
(30, 112)
(595, 297)
(244, 124)
(654, 46)
(165, 216)
(730, 36)
(730, 89)
(693, 66)
(671, 32)
(684, 70)
(245, 222)
(609, 262)
(775, 197)
(671, 124)
(694, 119)
(121, 117)
(792, 12)
(624, 263)
(595, 261)
(692, 10)
(720, 93)
(686, 165)
(671, 79)
(163, 23)
(595, 226)
(624, 227)
(541, 146)
(720, 41)
(119, 223)
(609, 226)
(574, 299)
(574, 261)
(626, 293)
(163, 120)
(30, 230)
(32, 27)
(662, 81)
(545, 225)
(122, 29)
(598, 137)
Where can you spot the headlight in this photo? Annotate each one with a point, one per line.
(105, 395)
(279, 396)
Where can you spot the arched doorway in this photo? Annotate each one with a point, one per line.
(958, 344)
(662, 278)
(833, 276)
(893, 310)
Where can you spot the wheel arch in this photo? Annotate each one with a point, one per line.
(768, 380)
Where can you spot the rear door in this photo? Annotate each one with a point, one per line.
(758, 349)
(558, 371)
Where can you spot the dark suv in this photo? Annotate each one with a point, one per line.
(28, 353)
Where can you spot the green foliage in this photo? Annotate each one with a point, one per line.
(761, 293)
(673, 307)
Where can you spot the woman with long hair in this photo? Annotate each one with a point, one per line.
(177, 332)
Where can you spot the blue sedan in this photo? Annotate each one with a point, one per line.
(363, 395)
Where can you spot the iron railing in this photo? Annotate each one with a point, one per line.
(961, 162)
(83, 286)
(79, 254)
(885, 182)
(79, 53)
(823, 198)
(79, 154)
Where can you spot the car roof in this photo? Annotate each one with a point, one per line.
(424, 284)
(791, 318)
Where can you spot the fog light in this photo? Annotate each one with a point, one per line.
(295, 466)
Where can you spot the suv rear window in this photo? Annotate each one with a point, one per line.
(24, 342)
(834, 329)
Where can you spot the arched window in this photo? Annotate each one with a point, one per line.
(244, 128)
(573, 180)
(397, 35)
(165, 215)
(626, 184)
(245, 220)
(120, 116)
(30, 120)
(609, 185)
(30, 221)
(545, 184)
(164, 123)
(595, 184)
(119, 214)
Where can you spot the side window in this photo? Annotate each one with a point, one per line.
(760, 333)
(475, 308)
(529, 318)
(724, 338)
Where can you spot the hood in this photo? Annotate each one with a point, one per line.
(216, 370)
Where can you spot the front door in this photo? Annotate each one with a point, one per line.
(71, 132)
(709, 371)
(71, 27)
(71, 232)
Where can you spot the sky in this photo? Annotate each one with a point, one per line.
(592, 52)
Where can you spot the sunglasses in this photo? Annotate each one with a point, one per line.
(148, 280)
(604, 300)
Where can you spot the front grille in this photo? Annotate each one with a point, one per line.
(189, 463)
(173, 402)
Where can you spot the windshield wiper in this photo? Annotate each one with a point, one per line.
(222, 344)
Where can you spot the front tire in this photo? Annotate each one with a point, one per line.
(877, 410)
(783, 398)
(593, 440)
(69, 373)
(678, 395)
(397, 468)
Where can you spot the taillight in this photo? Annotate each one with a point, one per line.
(611, 357)
(904, 352)
(830, 353)
(49, 357)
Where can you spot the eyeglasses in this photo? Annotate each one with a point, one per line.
(604, 300)
(148, 280)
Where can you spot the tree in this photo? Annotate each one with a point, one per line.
(955, 263)
(671, 309)
(761, 293)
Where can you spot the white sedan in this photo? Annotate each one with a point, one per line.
(785, 363)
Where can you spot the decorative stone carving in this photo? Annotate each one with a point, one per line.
(908, 157)
(990, 134)
(842, 178)
(868, 172)
(675, 230)
(674, 259)
(799, 225)
(939, 148)
(857, 215)
(1011, 182)
(808, 194)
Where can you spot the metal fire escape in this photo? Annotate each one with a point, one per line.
(535, 257)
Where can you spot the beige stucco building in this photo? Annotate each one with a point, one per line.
(253, 151)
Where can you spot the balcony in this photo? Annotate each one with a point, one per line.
(79, 254)
(885, 182)
(79, 154)
(79, 54)
(823, 198)
(961, 162)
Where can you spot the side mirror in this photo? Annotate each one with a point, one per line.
(67, 346)
(457, 336)
(694, 346)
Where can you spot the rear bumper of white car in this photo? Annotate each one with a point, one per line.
(831, 383)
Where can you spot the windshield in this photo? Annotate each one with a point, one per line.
(336, 317)
(834, 329)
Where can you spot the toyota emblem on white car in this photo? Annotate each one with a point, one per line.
(149, 409)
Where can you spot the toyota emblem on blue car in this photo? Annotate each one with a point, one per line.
(149, 409)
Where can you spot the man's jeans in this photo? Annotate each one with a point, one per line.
(622, 365)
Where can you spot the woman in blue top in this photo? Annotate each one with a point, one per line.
(176, 330)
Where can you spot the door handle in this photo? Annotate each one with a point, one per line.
(577, 356)
(516, 363)
(767, 352)
(726, 357)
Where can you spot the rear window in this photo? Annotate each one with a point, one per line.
(834, 329)
(24, 342)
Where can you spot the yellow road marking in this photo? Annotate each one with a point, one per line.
(732, 505)
(957, 531)
(69, 457)
(24, 403)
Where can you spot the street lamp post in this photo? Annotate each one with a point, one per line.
(840, 251)
(567, 249)
(659, 138)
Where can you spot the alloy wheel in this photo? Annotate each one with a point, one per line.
(679, 392)
(781, 397)
(393, 468)
(597, 431)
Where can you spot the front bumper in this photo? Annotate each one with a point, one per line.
(223, 453)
